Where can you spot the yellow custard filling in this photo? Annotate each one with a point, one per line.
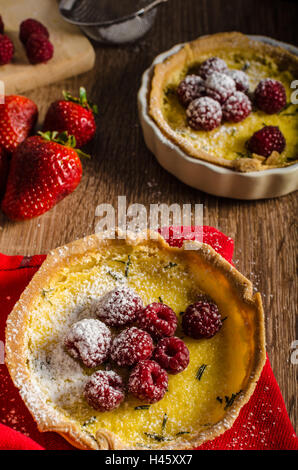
(228, 140)
(197, 398)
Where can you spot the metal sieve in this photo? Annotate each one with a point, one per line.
(111, 21)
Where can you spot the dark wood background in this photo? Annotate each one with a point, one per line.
(265, 232)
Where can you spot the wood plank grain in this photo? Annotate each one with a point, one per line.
(265, 232)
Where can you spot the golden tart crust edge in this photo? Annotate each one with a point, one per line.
(190, 52)
(50, 419)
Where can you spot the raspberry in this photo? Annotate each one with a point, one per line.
(219, 86)
(190, 88)
(237, 107)
(1, 25)
(119, 306)
(172, 354)
(88, 340)
(39, 49)
(201, 320)
(266, 140)
(204, 113)
(158, 319)
(148, 381)
(270, 96)
(213, 64)
(240, 78)
(31, 26)
(130, 346)
(104, 390)
(6, 49)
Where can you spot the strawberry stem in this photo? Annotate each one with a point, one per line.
(63, 139)
(82, 100)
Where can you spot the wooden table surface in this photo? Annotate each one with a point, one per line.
(265, 233)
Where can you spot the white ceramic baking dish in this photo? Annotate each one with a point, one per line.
(206, 176)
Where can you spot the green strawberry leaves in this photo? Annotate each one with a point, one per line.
(82, 100)
(63, 139)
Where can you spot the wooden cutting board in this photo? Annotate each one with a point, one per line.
(73, 53)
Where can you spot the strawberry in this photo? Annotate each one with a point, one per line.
(74, 115)
(18, 116)
(4, 166)
(44, 169)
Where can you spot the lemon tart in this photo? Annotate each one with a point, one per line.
(67, 296)
(178, 95)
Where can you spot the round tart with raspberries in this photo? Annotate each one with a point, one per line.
(134, 344)
(228, 100)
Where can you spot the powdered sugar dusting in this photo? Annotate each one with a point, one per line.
(119, 306)
(88, 340)
(59, 380)
(190, 88)
(237, 107)
(213, 64)
(240, 78)
(204, 113)
(104, 391)
(219, 86)
(130, 346)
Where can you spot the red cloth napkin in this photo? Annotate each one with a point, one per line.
(263, 423)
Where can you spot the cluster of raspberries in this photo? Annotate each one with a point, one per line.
(146, 345)
(35, 38)
(219, 94)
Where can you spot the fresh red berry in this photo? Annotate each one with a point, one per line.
(204, 113)
(240, 78)
(4, 167)
(270, 96)
(171, 354)
(89, 340)
(131, 346)
(43, 170)
(104, 391)
(266, 140)
(213, 64)
(6, 49)
(118, 307)
(219, 86)
(31, 26)
(157, 319)
(39, 49)
(148, 381)
(18, 116)
(1, 25)
(190, 88)
(237, 107)
(201, 320)
(74, 115)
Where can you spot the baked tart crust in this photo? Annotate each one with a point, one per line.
(71, 269)
(237, 50)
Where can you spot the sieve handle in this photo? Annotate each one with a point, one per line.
(150, 7)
